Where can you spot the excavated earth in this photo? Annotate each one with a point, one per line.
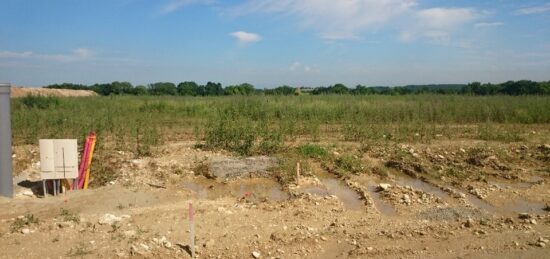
(411, 201)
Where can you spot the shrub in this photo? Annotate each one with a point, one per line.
(39, 102)
(312, 151)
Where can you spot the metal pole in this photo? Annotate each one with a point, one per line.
(6, 177)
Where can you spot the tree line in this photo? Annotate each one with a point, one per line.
(190, 88)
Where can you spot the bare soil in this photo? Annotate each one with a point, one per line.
(24, 91)
(411, 202)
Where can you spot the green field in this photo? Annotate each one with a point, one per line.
(262, 124)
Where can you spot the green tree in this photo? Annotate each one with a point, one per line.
(188, 88)
(162, 88)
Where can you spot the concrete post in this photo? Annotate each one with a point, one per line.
(6, 177)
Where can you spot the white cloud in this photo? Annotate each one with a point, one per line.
(487, 24)
(437, 24)
(11, 54)
(299, 67)
(333, 19)
(78, 54)
(246, 37)
(175, 5)
(445, 18)
(533, 10)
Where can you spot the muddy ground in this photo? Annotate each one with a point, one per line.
(445, 199)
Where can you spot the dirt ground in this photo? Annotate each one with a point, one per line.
(24, 91)
(411, 202)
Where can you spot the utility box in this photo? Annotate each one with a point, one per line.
(58, 159)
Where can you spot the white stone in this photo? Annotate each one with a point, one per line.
(256, 254)
(25, 231)
(109, 219)
(384, 186)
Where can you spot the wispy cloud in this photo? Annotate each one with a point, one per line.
(11, 54)
(175, 5)
(299, 67)
(533, 10)
(487, 24)
(437, 24)
(77, 54)
(334, 20)
(246, 37)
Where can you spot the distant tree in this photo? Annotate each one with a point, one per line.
(121, 88)
(188, 88)
(281, 90)
(140, 90)
(162, 88)
(213, 89)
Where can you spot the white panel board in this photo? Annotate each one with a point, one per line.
(58, 158)
(47, 165)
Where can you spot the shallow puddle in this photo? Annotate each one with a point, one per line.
(333, 186)
(253, 189)
(349, 197)
(519, 205)
(382, 206)
(517, 185)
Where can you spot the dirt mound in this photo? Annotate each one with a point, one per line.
(24, 91)
(227, 168)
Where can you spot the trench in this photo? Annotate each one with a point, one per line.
(333, 186)
(254, 189)
(519, 205)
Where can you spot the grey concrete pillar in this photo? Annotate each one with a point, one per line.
(6, 177)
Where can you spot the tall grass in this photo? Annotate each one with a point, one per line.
(260, 124)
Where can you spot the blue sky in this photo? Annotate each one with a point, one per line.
(274, 42)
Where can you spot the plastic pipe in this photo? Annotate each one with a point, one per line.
(6, 177)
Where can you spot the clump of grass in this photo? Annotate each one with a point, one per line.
(348, 164)
(380, 171)
(103, 172)
(68, 215)
(40, 102)
(22, 222)
(312, 151)
(286, 171)
(155, 107)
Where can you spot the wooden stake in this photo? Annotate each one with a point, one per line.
(298, 173)
(191, 231)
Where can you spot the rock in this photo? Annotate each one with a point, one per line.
(323, 238)
(256, 254)
(25, 231)
(384, 186)
(469, 223)
(65, 224)
(142, 250)
(533, 221)
(541, 244)
(524, 216)
(28, 193)
(109, 219)
(543, 240)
